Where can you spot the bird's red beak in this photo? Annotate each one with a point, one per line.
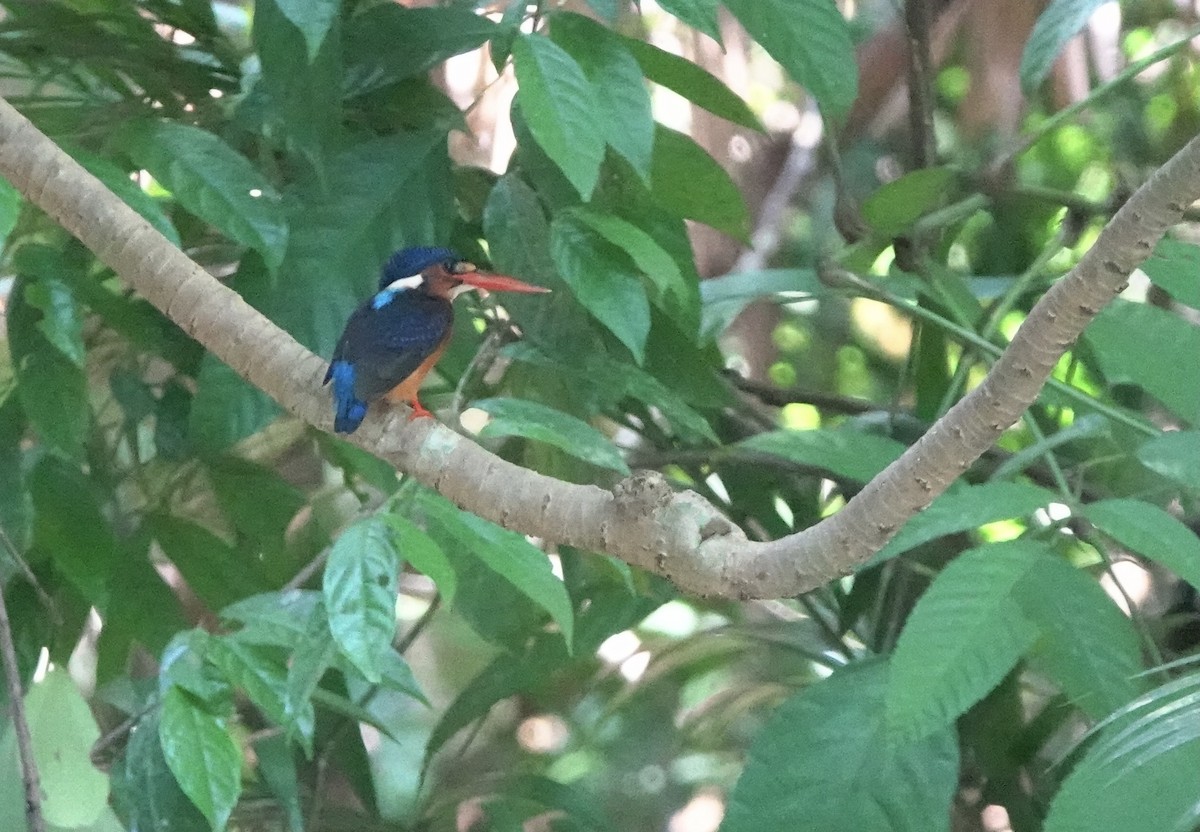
(499, 283)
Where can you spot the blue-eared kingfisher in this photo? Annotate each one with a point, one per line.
(393, 340)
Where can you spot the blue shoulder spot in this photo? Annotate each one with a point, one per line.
(382, 299)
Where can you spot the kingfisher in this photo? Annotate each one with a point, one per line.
(394, 339)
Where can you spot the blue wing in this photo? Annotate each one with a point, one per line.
(381, 347)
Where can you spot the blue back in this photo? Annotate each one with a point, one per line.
(413, 260)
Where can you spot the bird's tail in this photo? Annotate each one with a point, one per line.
(349, 410)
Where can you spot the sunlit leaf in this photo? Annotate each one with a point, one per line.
(701, 15)
(724, 298)
(531, 420)
(422, 552)
(895, 206)
(312, 17)
(1175, 267)
(851, 774)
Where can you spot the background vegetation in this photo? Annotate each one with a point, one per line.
(775, 263)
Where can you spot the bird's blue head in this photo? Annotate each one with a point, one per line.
(412, 261)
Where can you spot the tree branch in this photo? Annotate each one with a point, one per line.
(16, 704)
(678, 535)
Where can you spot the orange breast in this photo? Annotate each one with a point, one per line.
(406, 391)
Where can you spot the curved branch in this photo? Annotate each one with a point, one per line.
(678, 535)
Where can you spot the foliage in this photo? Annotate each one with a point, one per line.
(275, 630)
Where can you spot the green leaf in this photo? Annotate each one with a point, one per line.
(1130, 778)
(421, 551)
(278, 619)
(701, 15)
(619, 97)
(392, 188)
(693, 82)
(63, 732)
(1175, 267)
(724, 298)
(275, 502)
(213, 569)
(811, 41)
(118, 181)
(313, 18)
(214, 182)
(299, 91)
(965, 509)
(689, 182)
(556, 99)
(894, 207)
(844, 453)
(61, 322)
(144, 789)
(205, 760)
(601, 283)
(1086, 645)
(277, 766)
(389, 42)
(825, 757)
(963, 636)
(312, 656)
(10, 209)
(1061, 21)
(1129, 340)
(70, 527)
(360, 586)
(1174, 455)
(226, 408)
(1151, 532)
(531, 420)
(509, 555)
(262, 674)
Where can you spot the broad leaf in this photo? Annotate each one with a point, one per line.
(1087, 645)
(10, 209)
(226, 407)
(1151, 532)
(1175, 268)
(202, 755)
(651, 259)
(213, 569)
(144, 789)
(894, 207)
(509, 555)
(688, 181)
(811, 40)
(844, 453)
(825, 757)
(389, 42)
(421, 551)
(1061, 21)
(1129, 340)
(312, 656)
(214, 182)
(1131, 775)
(724, 298)
(701, 15)
(1174, 455)
(963, 636)
(965, 509)
(556, 100)
(531, 420)
(360, 586)
(262, 674)
(619, 97)
(601, 283)
(693, 82)
(63, 731)
(61, 322)
(313, 18)
(277, 765)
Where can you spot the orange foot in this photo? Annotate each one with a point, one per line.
(418, 410)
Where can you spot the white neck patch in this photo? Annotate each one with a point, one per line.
(411, 282)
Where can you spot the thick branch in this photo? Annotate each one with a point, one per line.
(678, 535)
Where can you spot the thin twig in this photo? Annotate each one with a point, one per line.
(27, 573)
(29, 773)
(405, 641)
